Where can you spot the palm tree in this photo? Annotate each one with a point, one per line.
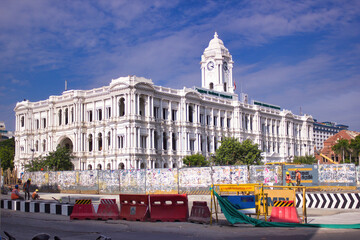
(355, 147)
(342, 146)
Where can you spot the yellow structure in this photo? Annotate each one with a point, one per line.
(263, 196)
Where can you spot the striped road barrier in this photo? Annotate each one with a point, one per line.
(330, 200)
(37, 207)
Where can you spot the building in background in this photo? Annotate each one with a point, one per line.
(326, 154)
(132, 123)
(5, 134)
(324, 130)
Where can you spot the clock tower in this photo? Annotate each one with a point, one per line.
(216, 67)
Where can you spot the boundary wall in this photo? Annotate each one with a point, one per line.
(188, 180)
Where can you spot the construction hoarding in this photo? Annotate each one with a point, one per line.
(337, 175)
(309, 174)
(266, 174)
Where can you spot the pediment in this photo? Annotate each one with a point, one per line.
(119, 85)
(289, 115)
(194, 95)
(144, 86)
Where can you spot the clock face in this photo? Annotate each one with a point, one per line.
(210, 65)
(225, 66)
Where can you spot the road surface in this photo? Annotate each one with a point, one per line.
(25, 225)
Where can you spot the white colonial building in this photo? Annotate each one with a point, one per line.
(134, 124)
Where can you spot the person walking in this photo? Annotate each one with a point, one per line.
(26, 189)
(288, 179)
(298, 177)
(15, 194)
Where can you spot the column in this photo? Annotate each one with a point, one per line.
(160, 110)
(170, 112)
(137, 104)
(149, 106)
(127, 138)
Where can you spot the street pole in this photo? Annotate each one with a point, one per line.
(145, 177)
(178, 178)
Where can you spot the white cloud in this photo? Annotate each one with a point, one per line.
(93, 42)
(343, 108)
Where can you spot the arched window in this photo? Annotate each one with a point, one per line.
(174, 165)
(37, 146)
(60, 117)
(72, 114)
(142, 166)
(108, 166)
(90, 143)
(225, 88)
(89, 167)
(157, 165)
(121, 166)
(66, 116)
(122, 107)
(191, 114)
(99, 113)
(211, 85)
(44, 145)
(165, 165)
(164, 141)
(120, 141)
(109, 139)
(173, 137)
(156, 140)
(99, 142)
(90, 116)
(22, 121)
(142, 107)
(208, 144)
(98, 167)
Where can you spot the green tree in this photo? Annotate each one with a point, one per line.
(307, 159)
(59, 160)
(232, 152)
(341, 147)
(7, 153)
(355, 147)
(36, 164)
(195, 160)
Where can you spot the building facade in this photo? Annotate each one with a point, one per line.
(324, 130)
(326, 154)
(132, 123)
(5, 134)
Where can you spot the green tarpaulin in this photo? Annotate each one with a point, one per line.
(234, 216)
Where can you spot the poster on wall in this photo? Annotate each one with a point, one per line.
(266, 174)
(309, 174)
(337, 174)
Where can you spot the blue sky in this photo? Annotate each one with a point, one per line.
(288, 53)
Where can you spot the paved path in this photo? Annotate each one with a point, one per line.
(25, 225)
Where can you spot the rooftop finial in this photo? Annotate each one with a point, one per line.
(215, 35)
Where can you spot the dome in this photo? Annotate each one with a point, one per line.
(216, 45)
(216, 42)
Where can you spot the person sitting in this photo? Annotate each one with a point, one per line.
(15, 194)
(35, 195)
